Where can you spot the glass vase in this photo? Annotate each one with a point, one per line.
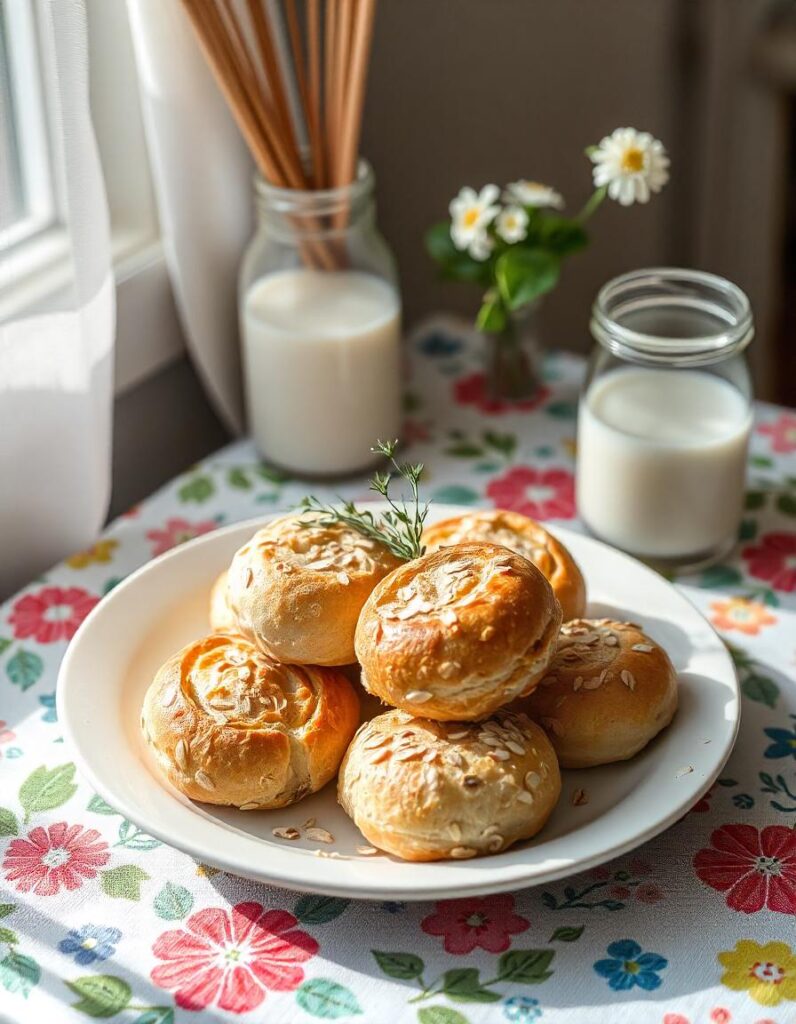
(514, 357)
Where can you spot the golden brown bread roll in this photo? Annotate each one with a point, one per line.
(297, 590)
(526, 537)
(222, 619)
(426, 790)
(228, 725)
(457, 634)
(607, 692)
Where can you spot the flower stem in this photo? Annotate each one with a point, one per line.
(592, 203)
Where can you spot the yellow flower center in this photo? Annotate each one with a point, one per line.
(632, 160)
(768, 972)
(88, 943)
(471, 217)
(631, 967)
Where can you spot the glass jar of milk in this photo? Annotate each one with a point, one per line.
(320, 316)
(665, 416)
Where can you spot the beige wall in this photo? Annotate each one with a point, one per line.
(471, 91)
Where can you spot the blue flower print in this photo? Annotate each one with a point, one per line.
(47, 701)
(90, 943)
(439, 344)
(393, 906)
(630, 967)
(784, 744)
(522, 1009)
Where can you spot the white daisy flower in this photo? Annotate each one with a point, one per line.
(512, 224)
(632, 164)
(481, 246)
(533, 193)
(471, 212)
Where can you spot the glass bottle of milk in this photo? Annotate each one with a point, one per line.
(665, 416)
(320, 316)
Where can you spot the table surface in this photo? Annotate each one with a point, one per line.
(100, 920)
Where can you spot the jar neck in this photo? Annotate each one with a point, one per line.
(309, 213)
(666, 316)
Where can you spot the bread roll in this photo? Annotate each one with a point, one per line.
(222, 619)
(297, 590)
(607, 692)
(227, 725)
(456, 634)
(425, 790)
(525, 536)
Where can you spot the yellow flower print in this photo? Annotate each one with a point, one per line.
(742, 614)
(767, 973)
(102, 551)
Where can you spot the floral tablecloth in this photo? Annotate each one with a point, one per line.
(100, 920)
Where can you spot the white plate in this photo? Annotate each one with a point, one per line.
(163, 606)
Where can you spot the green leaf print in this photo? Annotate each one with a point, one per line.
(24, 668)
(7, 908)
(525, 966)
(754, 500)
(101, 995)
(786, 503)
(199, 488)
(98, 806)
(465, 450)
(173, 902)
(760, 689)
(8, 823)
(123, 882)
(271, 474)
(747, 530)
(761, 461)
(45, 788)
(464, 985)
(239, 479)
(6, 935)
(399, 965)
(319, 909)
(440, 1015)
(323, 998)
(720, 576)
(156, 1015)
(19, 973)
(567, 934)
(5, 643)
(504, 443)
(456, 494)
(562, 410)
(134, 838)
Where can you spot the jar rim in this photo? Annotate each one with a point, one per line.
(325, 200)
(673, 287)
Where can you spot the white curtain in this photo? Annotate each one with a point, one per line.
(56, 367)
(203, 182)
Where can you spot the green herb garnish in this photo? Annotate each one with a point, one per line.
(399, 528)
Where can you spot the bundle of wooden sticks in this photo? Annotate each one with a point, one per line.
(294, 78)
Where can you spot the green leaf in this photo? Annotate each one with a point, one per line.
(440, 1015)
(720, 576)
(492, 315)
(272, 475)
(456, 494)
(523, 275)
(748, 530)
(134, 838)
(454, 264)
(319, 909)
(173, 902)
(98, 806)
(8, 823)
(525, 966)
(565, 934)
(761, 689)
(761, 461)
(238, 479)
(7, 908)
(323, 998)
(198, 489)
(562, 410)
(45, 789)
(19, 973)
(101, 995)
(5, 643)
(561, 235)
(156, 1015)
(24, 669)
(465, 450)
(399, 965)
(786, 503)
(754, 499)
(123, 882)
(769, 598)
(464, 985)
(505, 443)
(6, 935)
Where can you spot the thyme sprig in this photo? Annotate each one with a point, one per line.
(400, 527)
